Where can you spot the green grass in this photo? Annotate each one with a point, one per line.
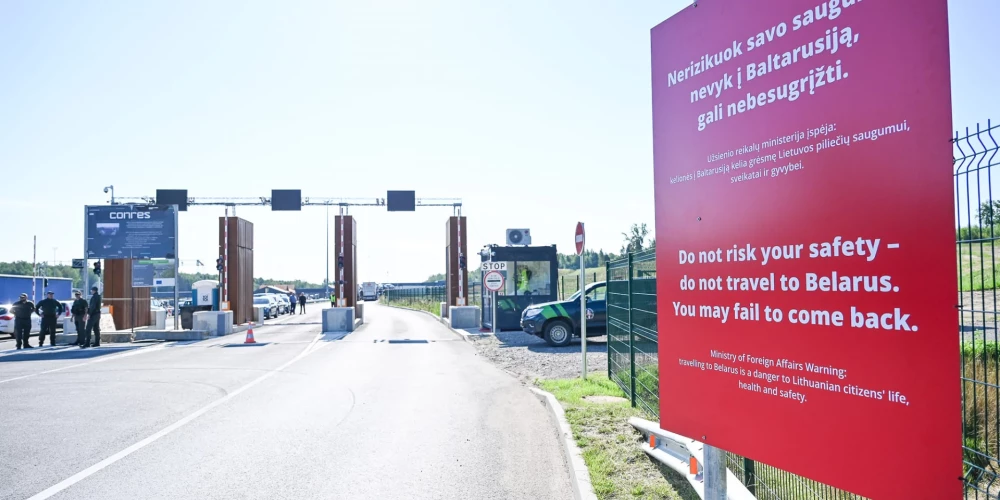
(569, 280)
(618, 468)
(977, 270)
(418, 304)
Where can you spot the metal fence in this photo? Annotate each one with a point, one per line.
(415, 296)
(632, 358)
(570, 284)
(632, 351)
(978, 222)
(428, 297)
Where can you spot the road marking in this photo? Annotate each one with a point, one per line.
(93, 469)
(130, 352)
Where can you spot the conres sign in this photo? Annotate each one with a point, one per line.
(806, 264)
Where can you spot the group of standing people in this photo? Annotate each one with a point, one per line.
(301, 299)
(86, 318)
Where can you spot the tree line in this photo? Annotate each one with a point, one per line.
(184, 280)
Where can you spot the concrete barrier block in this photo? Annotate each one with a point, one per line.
(444, 310)
(464, 317)
(338, 319)
(216, 323)
(68, 325)
(171, 335)
(122, 337)
(65, 338)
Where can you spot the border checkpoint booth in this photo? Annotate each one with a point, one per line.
(531, 278)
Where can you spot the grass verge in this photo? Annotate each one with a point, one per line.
(421, 305)
(618, 468)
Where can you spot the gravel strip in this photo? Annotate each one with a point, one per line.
(529, 358)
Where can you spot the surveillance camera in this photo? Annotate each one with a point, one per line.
(105, 190)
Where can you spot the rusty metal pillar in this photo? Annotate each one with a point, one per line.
(456, 274)
(345, 240)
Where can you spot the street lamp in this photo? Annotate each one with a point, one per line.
(112, 189)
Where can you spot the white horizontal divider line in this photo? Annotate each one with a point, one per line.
(93, 469)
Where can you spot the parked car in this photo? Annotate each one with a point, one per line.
(7, 320)
(558, 322)
(286, 303)
(67, 305)
(269, 305)
(282, 307)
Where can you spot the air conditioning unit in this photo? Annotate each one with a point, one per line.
(518, 237)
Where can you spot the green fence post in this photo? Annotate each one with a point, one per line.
(607, 322)
(631, 336)
(749, 477)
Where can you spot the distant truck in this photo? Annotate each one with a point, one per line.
(369, 291)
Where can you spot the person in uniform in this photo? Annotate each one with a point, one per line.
(293, 301)
(302, 303)
(93, 320)
(79, 312)
(49, 309)
(23, 309)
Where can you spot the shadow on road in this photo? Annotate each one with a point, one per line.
(64, 353)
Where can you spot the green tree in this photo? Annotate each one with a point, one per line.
(635, 238)
(989, 213)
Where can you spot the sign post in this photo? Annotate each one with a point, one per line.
(493, 280)
(583, 295)
(793, 285)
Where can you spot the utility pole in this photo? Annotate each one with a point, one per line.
(34, 266)
(326, 281)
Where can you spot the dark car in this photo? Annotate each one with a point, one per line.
(558, 322)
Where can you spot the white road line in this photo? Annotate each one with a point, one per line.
(131, 352)
(93, 469)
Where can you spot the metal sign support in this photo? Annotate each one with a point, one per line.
(583, 315)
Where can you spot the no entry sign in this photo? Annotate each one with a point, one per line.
(806, 263)
(493, 281)
(579, 238)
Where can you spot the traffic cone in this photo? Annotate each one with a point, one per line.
(250, 339)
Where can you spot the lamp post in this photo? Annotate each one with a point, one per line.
(326, 281)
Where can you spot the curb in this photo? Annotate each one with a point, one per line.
(579, 475)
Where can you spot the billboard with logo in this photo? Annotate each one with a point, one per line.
(131, 231)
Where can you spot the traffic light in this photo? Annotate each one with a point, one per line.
(45, 282)
(97, 268)
(218, 264)
(340, 261)
(461, 262)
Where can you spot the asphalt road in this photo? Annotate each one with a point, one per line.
(401, 408)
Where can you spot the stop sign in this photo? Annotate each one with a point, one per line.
(579, 238)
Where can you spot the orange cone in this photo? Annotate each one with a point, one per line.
(250, 339)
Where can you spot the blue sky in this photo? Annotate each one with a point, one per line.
(536, 114)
